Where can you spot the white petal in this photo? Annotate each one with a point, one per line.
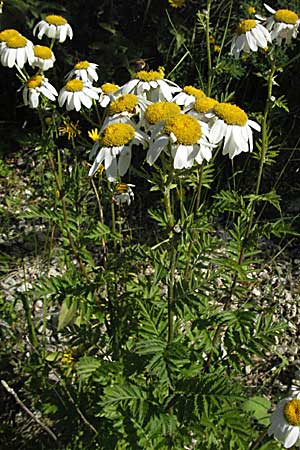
(62, 33)
(268, 8)
(110, 165)
(124, 160)
(181, 157)
(217, 131)
(156, 148)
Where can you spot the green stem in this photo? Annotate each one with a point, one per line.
(209, 64)
(199, 188)
(65, 216)
(264, 149)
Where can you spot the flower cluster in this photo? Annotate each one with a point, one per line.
(252, 34)
(180, 124)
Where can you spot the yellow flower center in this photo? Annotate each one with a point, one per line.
(17, 41)
(126, 102)
(191, 90)
(156, 112)
(52, 19)
(204, 104)
(74, 85)
(82, 65)
(34, 81)
(286, 16)
(246, 25)
(291, 412)
(152, 75)
(117, 134)
(231, 114)
(121, 188)
(42, 52)
(186, 129)
(7, 34)
(107, 88)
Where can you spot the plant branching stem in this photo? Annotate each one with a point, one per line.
(30, 414)
(65, 216)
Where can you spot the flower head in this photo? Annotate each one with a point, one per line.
(106, 91)
(115, 144)
(186, 138)
(54, 27)
(43, 57)
(282, 24)
(202, 107)
(77, 93)
(16, 49)
(232, 124)
(34, 87)
(188, 96)
(151, 85)
(285, 421)
(250, 36)
(85, 71)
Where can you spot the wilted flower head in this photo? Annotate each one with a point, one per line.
(123, 193)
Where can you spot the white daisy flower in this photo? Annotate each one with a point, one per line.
(187, 140)
(283, 24)
(285, 421)
(188, 96)
(106, 91)
(151, 85)
(77, 93)
(202, 108)
(16, 49)
(85, 71)
(36, 86)
(232, 124)
(124, 108)
(43, 57)
(123, 193)
(115, 145)
(54, 27)
(250, 36)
